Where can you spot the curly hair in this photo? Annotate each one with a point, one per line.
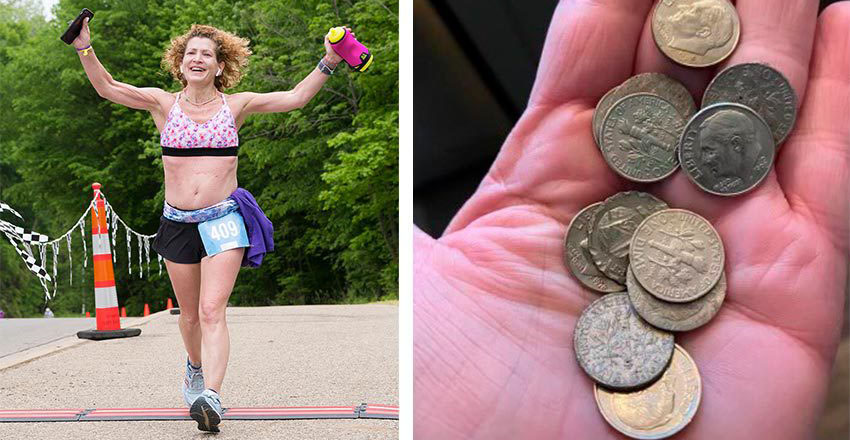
(230, 49)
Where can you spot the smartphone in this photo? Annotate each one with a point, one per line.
(76, 26)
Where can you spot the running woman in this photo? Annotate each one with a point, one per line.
(209, 227)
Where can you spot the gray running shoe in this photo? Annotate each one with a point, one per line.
(193, 384)
(207, 411)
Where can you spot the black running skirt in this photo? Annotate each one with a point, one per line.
(179, 242)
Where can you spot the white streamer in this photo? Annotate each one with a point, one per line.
(141, 269)
(129, 253)
(85, 249)
(148, 254)
(70, 260)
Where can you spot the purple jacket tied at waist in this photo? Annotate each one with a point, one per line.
(258, 226)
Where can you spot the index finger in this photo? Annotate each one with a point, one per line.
(590, 48)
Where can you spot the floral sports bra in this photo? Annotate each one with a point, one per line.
(182, 136)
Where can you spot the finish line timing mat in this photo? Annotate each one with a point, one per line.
(363, 411)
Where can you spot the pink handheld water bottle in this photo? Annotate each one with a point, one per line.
(352, 51)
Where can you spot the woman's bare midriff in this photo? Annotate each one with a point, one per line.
(197, 182)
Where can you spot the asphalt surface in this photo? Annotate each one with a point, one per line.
(279, 356)
(24, 333)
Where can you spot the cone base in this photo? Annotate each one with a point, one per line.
(98, 335)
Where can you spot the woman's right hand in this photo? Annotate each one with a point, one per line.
(84, 39)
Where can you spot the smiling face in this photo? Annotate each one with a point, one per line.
(200, 63)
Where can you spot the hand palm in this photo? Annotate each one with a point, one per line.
(495, 307)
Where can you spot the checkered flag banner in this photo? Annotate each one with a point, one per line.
(23, 240)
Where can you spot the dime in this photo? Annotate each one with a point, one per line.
(675, 316)
(616, 347)
(676, 255)
(598, 115)
(612, 228)
(639, 137)
(761, 88)
(726, 149)
(578, 257)
(652, 82)
(660, 410)
(696, 33)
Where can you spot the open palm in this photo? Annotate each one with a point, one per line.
(495, 307)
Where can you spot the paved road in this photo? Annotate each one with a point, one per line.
(23, 333)
(279, 356)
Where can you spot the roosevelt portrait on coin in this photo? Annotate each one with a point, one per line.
(700, 27)
(729, 148)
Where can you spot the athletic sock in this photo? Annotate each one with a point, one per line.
(192, 366)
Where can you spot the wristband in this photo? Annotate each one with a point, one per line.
(324, 68)
(85, 50)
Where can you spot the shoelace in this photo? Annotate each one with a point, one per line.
(194, 375)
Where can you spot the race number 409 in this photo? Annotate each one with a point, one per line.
(224, 230)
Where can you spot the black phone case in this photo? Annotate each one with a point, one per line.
(76, 26)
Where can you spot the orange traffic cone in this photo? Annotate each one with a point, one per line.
(169, 306)
(147, 310)
(106, 297)
(123, 312)
(88, 314)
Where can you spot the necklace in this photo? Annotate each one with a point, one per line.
(197, 104)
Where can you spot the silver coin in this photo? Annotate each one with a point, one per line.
(651, 82)
(676, 255)
(577, 256)
(613, 226)
(761, 88)
(616, 347)
(639, 137)
(727, 149)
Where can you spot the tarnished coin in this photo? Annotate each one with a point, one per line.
(652, 82)
(676, 255)
(761, 88)
(616, 347)
(726, 149)
(639, 137)
(577, 256)
(612, 228)
(598, 115)
(675, 316)
(660, 410)
(696, 33)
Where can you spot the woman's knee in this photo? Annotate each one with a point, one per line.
(189, 318)
(211, 313)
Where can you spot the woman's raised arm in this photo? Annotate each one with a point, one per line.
(106, 86)
(299, 96)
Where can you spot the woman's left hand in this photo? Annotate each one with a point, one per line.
(330, 55)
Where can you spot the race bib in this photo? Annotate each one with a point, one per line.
(223, 233)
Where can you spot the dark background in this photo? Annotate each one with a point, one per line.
(474, 66)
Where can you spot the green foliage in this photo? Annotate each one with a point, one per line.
(326, 175)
